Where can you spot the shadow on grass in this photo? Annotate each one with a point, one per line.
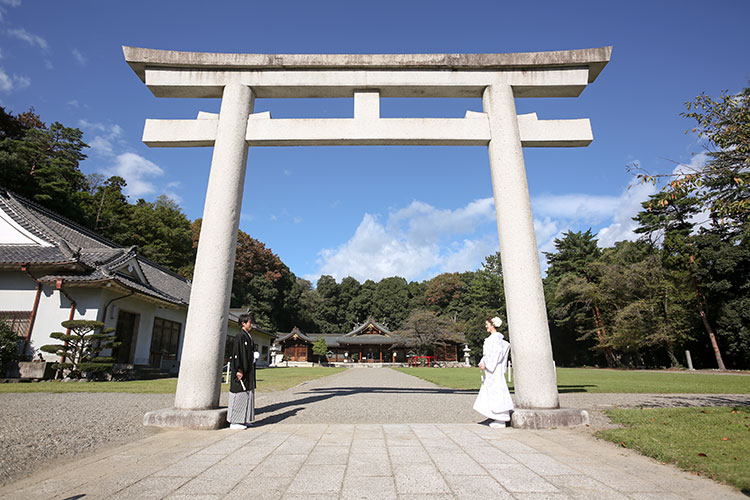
(574, 388)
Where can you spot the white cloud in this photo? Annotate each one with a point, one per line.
(108, 136)
(575, 206)
(9, 83)
(416, 242)
(10, 3)
(136, 170)
(74, 103)
(628, 206)
(30, 38)
(79, 57)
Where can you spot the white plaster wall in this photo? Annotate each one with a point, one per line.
(17, 291)
(147, 311)
(54, 308)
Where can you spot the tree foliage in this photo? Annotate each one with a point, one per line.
(9, 348)
(81, 347)
(424, 331)
(722, 184)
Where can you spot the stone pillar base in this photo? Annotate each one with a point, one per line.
(546, 419)
(203, 420)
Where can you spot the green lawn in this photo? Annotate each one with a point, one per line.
(714, 442)
(269, 379)
(603, 380)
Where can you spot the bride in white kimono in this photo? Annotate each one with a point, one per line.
(494, 399)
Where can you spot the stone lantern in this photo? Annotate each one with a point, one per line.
(467, 352)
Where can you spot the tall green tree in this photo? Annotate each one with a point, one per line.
(424, 331)
(575, 303)
(162, 233)
(41, 162)
(390, 301)
(669, 216)
(262, 283)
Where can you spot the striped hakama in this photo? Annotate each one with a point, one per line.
(241, 407)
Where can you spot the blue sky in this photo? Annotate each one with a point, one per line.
(373, 212)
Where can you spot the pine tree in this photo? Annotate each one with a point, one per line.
(81, 347)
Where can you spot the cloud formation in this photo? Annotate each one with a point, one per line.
(417, 242)
(10, 83)
(136, 170)
(107, 136)
(30, 38)
(79, 57)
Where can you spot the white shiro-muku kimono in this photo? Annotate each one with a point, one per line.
(493, 400)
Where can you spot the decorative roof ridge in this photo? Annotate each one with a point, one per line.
(22, 216)
(22, 202)
(117, 254)
(368, 321)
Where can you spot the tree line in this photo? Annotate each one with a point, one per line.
(685, 284)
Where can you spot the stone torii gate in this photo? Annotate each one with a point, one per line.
(239, 78)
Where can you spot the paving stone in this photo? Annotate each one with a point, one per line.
(296, 445)
(474, 487)
(368, 488)
(489, 455)
(543, 464)
(368, 465)
(403, 455)
(459, 464)
(257, 487)
(328, 455)
(318, 479)
(512, 446)
(541, 496)
(190, 466)
(280, 465)
(419, 479)
(368, 431)
(518, 478)
(585, 487)
(150, 488)
(620, 480)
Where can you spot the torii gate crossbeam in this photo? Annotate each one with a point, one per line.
(239, 78)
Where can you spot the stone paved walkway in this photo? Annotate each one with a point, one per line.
(287, 457)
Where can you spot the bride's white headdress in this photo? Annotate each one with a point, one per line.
(496, 322)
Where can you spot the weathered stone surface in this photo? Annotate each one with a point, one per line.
(595, 59)
(547, 419)
(187, 419)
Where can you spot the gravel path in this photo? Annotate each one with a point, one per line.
(41, 428)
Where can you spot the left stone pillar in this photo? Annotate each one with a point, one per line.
(199, 381)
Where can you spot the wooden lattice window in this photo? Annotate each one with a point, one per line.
(17, 320)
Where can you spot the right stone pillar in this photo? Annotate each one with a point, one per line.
(534, 377)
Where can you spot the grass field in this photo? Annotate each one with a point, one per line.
(713, 442)
(269, 379)
(603, 380)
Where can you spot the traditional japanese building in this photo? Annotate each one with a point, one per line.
(370, 342)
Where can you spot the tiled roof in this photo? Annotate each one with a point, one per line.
(78, 255)
(358, 330)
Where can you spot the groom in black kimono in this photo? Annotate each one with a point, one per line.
(241, 412)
